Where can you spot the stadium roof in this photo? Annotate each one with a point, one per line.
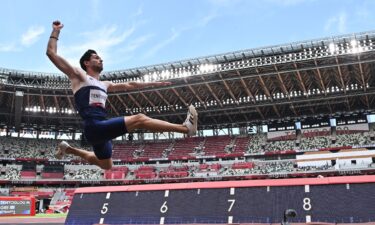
(317, 77)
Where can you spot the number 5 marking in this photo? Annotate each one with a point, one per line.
(104, 208)
(232, 201)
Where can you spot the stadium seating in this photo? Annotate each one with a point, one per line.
(12, 172)
(118, 172)
(156, 150)
(26, 148)
(216, 145)
(38, 168)
(126, 151)
(83, 172)
(256, 144)
(240, 144)
(44, 149)
(28, 170)
(174, 172)
(353, 139)
(145, 172)
(279, 145)
(187, 147)
(314, 143)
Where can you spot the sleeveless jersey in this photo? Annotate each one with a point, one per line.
(90, 99)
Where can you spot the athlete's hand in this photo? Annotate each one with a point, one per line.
(57, 25)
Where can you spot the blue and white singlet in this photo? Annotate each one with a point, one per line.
(99, 131)
(90, 99)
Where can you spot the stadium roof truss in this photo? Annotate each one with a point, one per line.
(316, 77)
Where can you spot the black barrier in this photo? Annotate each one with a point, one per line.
(331, 203)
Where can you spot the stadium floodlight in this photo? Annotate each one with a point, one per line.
(184, 74)
(352, 47)
(154, 76)
(147, 78)
(332, 48)
(207, 68)
(165, 74)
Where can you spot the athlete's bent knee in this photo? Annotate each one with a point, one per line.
(140, 116)
(106, 166)
(136, 121)
(141, 119)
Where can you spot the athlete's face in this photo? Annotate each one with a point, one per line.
(96, 63)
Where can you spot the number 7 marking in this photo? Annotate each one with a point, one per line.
(232, 201)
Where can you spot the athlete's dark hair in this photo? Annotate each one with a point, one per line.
(86, 57)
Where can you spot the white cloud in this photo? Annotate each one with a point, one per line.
(223, 3)
(207, 19)
(32, 35)
(342, 23)
(95, 9)
(139, 12)
(364, 11)
(202, 22)
(127, 53)
(291, 2)
(103, 40)
(338, 22)
(162, 44)
(107, 36)
(136, 43)
(288, 2)
(12, 47)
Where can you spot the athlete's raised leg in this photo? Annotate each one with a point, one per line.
(142, 121)
(65, 148)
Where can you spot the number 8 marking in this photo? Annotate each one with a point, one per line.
(307, 204)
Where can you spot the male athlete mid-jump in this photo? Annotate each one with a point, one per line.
(90, 95)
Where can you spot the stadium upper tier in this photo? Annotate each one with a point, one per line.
(321, 76)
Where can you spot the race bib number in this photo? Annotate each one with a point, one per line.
(97, 97)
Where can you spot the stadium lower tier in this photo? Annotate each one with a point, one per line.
(194, 147)
(309, 164)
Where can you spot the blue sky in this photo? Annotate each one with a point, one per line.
(130, 33)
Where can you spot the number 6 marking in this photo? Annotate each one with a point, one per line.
(164, 207)
(232, 201)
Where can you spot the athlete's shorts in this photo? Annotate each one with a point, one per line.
(99, 133)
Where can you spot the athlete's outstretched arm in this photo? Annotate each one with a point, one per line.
(128, 86)
(59, 61)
